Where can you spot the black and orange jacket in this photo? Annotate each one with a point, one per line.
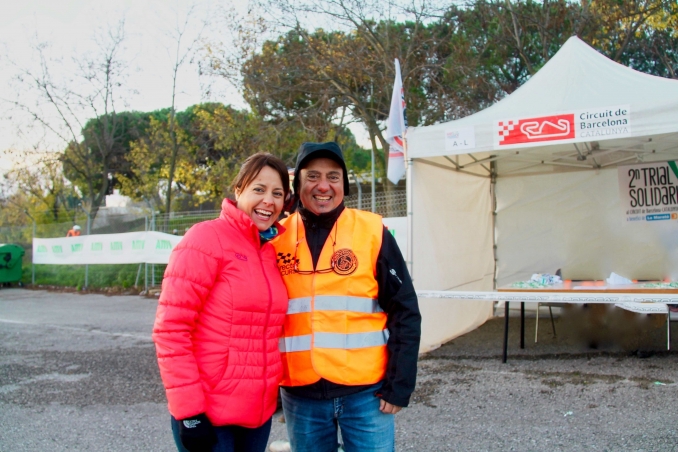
(353, 318)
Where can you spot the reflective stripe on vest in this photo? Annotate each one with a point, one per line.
(334, 303)
(295, 343)
(334, 340)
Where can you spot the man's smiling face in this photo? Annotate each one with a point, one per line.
(321, 185)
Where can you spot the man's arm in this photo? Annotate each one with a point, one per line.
(398, 299)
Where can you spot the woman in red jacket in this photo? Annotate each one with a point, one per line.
(220, 316)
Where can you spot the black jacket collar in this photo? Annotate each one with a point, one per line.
(324, 220)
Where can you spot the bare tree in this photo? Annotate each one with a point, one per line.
(78, 111)
(181, 54)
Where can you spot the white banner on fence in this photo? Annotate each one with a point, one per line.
(128, 248)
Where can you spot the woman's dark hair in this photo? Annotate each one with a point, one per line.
(254, 164)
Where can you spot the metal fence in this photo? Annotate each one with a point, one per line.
(120, 220)
(387, 204)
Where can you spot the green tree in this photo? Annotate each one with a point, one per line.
(454, 64)
(518, 37)
(641, 34)
(121, 129)
(319, 78)
(213, 141)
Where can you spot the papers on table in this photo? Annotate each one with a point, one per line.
(616, 279)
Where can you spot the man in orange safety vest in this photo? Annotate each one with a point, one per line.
(74, 231)
(351, 335)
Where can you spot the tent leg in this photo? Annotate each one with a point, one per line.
(536, 328)
(522, 324)
(506, 326)
(553, 323)
(668, 330)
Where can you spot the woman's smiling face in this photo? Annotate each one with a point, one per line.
(262, 199)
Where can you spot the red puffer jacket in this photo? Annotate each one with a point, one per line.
(218, 322)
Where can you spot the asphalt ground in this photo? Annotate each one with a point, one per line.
(78, 373)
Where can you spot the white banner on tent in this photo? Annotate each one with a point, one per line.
(649, 192)
(581, 125)
(128, 248)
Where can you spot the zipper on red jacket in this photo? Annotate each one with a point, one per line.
(263, 339)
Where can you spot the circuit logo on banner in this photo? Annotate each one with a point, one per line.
(649, 192)
(583, 125)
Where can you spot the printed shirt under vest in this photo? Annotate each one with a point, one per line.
(334, 326)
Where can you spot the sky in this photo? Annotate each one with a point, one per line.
(69, 27)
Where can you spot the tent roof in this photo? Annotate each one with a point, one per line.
(580, 110)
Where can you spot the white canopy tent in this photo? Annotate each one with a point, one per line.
(530, 185)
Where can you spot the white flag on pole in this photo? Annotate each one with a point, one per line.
(395, 130)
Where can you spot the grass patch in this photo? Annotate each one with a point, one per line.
(121, 276)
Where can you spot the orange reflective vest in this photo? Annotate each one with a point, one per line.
(72, 233)
(334, 326)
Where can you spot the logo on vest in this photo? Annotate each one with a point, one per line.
(344, 262)
(286, 263)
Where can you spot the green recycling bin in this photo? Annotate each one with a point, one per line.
(11, 258)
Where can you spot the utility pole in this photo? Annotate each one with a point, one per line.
(374, 147)
(356, 178)
(89, 228)
(32, 240)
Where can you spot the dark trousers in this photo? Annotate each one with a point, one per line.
(232, 438)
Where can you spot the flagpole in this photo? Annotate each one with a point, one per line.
(408, 203)
(398, 164)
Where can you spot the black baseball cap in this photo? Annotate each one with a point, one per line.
(309, 151)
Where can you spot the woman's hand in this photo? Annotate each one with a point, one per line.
(197, 433)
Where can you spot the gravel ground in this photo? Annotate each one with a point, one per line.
(78, 373)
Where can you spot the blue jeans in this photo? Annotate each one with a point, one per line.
(312, 424)
(232, 438)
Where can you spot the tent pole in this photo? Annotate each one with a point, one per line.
(410, 235)
(493, 193)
